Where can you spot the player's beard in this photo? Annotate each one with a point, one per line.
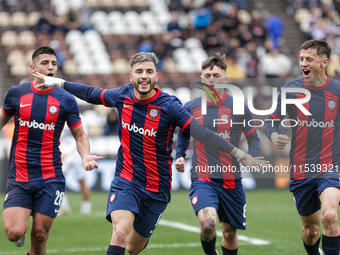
(151, 83)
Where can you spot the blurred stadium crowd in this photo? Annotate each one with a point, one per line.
(94, 40)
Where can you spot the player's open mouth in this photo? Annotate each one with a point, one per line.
(144, 83)
(305, 72)
(49, 74)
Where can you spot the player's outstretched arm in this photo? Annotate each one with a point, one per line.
(83, 147)
(208, 137)
(84, 92)
(48, 81)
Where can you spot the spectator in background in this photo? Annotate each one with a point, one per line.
(337, 5)
(241, 4)
(243, 34)
(211, 38)
(231, 21)
(257, 27)
(49, 21)
(333, 68)
(111, 126)
(333, 17)
(275, 64)
(72, 163)
(253, 62)
(174, 26)
(216, 13)
(275, 28)
(61, 54)
(232, 45)
(71, 19)
(201, 18)
(319, 30)
(146, 46)
(313, 3)
(332, 41)
(84, 14)
(164, 48)
(234, 70)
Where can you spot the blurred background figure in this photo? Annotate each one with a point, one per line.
(275, 28)
(275, 64)
(72, 163)
(111, 126)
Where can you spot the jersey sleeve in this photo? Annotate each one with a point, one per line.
(181, 117)
(183, 138)
(249, 130)
(72, 117)
(93, 95)
(274, 119)
(7, 107)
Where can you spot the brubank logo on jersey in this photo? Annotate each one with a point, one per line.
(36, 125)
(314, 123)
(139, 130)
(224, 135)
(238, 105)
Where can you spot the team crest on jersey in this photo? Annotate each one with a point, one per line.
(224, 116)
(153, 113)
(53, 109)
(194, 200)
(332, 104)
(112, 198)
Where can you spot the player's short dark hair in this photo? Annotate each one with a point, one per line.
(43, 50)
(322, 47)
(141, 57)
(216, 60)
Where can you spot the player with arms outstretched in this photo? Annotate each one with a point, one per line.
(141, 188)
(315, 148)
(35, 180)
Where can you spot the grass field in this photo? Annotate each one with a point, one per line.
(271, 216)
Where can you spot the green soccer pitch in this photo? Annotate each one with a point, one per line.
(273, 227)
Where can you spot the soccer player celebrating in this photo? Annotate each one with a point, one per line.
(221, 192)
(36, 184)
(315, 154)
(140, 190)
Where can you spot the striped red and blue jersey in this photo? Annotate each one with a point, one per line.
(146, 133)
(231, 128)
(315, 138)
(39, 120)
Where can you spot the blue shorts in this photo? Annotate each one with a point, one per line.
(44, 196)
(306, 193)
(148, 209)
(230, 204)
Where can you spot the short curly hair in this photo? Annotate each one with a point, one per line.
(144, 57)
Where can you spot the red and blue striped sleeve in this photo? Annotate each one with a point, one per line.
(183, 138)
(274, 119)
(7, 107)
(72, 117)
(249, 130)
(189, 124)
(93, 95)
